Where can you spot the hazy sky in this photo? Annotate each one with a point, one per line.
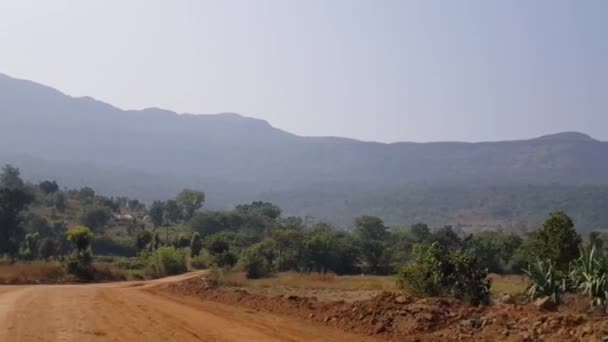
(375, 69)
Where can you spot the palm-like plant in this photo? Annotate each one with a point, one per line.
(545, 280)
(589, 274)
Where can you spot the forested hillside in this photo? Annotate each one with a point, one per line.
(153, 153)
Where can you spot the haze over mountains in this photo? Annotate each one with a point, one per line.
(153, 153)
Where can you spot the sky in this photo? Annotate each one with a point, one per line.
(382, 70)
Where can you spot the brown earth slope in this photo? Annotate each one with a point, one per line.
(133, 311)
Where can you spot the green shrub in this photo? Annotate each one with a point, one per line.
(166, 261)
(437, 271)
(422, 276)
(202, 261)
(589, 274)
(257, 260)
(545, 280)
(135, 263)
(80, 264)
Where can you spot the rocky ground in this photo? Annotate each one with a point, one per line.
(395, 316)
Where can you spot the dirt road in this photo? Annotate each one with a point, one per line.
(137, 311)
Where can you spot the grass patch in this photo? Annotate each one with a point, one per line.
(514, 285)
(32, 272)
(313, 281)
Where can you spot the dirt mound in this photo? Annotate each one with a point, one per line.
(396, 316)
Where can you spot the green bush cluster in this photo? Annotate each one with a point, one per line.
(436, 271)
(166, 261)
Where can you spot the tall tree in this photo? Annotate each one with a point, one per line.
(190, 201)
(157, 213)
(558, 241)
(173, 212)
(10, 178)
(372, 236)
(12, 202)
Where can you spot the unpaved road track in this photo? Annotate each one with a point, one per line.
(139, 311)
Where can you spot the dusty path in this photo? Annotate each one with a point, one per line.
(134, 311)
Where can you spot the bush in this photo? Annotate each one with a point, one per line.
(107, 246)
(436, 271)
(166, 261)
(422, 275)
(80, 264)
(202, 261)
(257, 260)
(131, 263)
(545, 280)
(589, 274)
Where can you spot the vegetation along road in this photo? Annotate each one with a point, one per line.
(139, 311)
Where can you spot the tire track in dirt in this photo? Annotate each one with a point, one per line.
(136, 312)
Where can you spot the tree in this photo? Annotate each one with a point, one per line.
(157, 213)
(10, 178)
(258, 260)
(435, 271)
(86, 195)
(48, 248)
(182, 241)
(31, 244)
(95, 217)
(81, 237)
(558, 241)
(196, 244)
(12, 202)
(447, 238)
(190, 201)
(80, 262)
(173, 213)
(143, 239)
(60, 202)
(420, 233)
(221, 247)
(372, 235)
(265, 209)
(48, 187)
(212, 222)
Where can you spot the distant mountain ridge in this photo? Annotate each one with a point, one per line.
(237, 157)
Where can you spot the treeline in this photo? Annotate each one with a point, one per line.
(42, 221)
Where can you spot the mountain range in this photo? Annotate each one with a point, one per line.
(152, 153)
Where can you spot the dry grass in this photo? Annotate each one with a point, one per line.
(53, 272)
(31, 272)
(313, 281)
(512, 284)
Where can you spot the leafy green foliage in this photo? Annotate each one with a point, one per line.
(10, 178)
(258, 260)
(12, 203)
(372, 237)
(435, 271)
(48, 187)
(80, 263)
(190, 201)
(166, 261)
(157, 213)
(556, 241)
(196, 244)
(265, 209)
(545, 280)
(589, 274)
(95, 217)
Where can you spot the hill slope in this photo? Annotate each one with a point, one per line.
(235, 157)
